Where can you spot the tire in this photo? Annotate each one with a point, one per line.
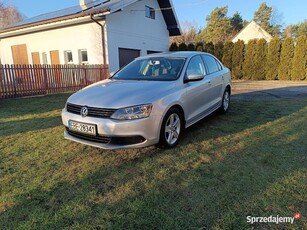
(171, 129)
(225, 101)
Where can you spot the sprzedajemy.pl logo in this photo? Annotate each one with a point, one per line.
(273, 219)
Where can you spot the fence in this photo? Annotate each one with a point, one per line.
(31, 80)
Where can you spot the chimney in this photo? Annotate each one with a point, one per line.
(86, 4)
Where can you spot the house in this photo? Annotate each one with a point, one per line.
(252, 31)
(111, 32)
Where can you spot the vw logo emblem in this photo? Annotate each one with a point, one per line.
(84, 111)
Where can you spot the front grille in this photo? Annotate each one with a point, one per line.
(98, 139)
(108, 140)
(92, 111)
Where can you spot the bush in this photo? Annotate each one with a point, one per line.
(209, 48)
(260, 59)
(248, 68)
(182, 47)
(273, 59)
(227, 55)
(286, 56)
(200, 46)
(218, 50)
(299, 59)
(237, 59)
(173, 47)
(191, 47)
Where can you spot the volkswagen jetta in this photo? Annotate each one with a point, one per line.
(150, 101)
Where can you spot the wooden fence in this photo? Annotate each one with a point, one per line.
(31, 80)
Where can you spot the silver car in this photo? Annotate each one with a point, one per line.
(150, 101)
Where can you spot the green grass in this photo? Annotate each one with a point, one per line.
(250, 162)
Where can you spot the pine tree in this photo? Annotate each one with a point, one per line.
(227, 55)
(273, 59)
(218, 50)
(260, 59)
(237, 59)
(286, 56)
(248, 68)
(299, 59)
(173, 47)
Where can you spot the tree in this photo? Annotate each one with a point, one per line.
(263, 17)
(248, 67)
(218, 26)
(209, 48)
(237, 59)
(302, 28)
(173, 47)
(188, 36)
(227, 54)
(218, 50)
(299, 59)
(9, 15)
(273, 59)
(200, 46)
(260, 59)
(236, 22)
(286, 56)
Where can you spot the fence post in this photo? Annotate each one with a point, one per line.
(85, 74)
(45, 79)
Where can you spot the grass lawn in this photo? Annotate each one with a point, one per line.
(250, 162)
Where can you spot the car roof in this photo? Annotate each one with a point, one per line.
(184, 54)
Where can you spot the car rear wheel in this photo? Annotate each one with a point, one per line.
(171, 129)
(225, 101)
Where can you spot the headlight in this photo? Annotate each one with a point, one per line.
(131, 113)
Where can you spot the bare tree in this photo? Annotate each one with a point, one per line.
(189, 33)
(9, 15)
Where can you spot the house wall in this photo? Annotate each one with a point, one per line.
(130, 29)
(69, 38)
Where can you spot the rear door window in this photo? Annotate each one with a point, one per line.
(211, 63)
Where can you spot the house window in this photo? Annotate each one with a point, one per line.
(150, 12)
(44, 57)
(68, 57)
(83, 58)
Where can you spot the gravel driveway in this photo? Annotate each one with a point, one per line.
(270, 90)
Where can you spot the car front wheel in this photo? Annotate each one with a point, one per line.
(171, 129)
(225, 101)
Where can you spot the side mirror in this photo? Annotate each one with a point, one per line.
(194, 77)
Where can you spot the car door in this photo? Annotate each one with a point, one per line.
(215, 78)
(197, 99)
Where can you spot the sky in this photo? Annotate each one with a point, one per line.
(193, 11)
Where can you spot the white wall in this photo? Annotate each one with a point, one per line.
(131, 29)
(75, 37)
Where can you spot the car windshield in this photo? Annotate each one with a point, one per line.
(152, 69)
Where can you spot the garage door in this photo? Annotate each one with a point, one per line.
(127, 55)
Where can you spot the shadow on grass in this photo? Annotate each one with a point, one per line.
(219, 174)
(227, 167)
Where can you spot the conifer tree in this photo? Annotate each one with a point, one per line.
(286, 56)
(260, 59)
(218, 50)
(173, 47)
(273, 59)
(191, 47)
(299, 59)
(237, 59)
(209, 48)
(227, 54)
(182, 47)
(248, 68)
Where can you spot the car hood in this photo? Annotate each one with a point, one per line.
(120, 93)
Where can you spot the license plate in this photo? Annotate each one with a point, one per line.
(82, 127)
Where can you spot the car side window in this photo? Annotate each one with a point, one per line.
(196, 66)
(211, 63)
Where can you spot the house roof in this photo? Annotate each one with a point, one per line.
(97, 7)
(252, 31)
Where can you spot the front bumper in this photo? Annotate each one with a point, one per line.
(115, 134)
